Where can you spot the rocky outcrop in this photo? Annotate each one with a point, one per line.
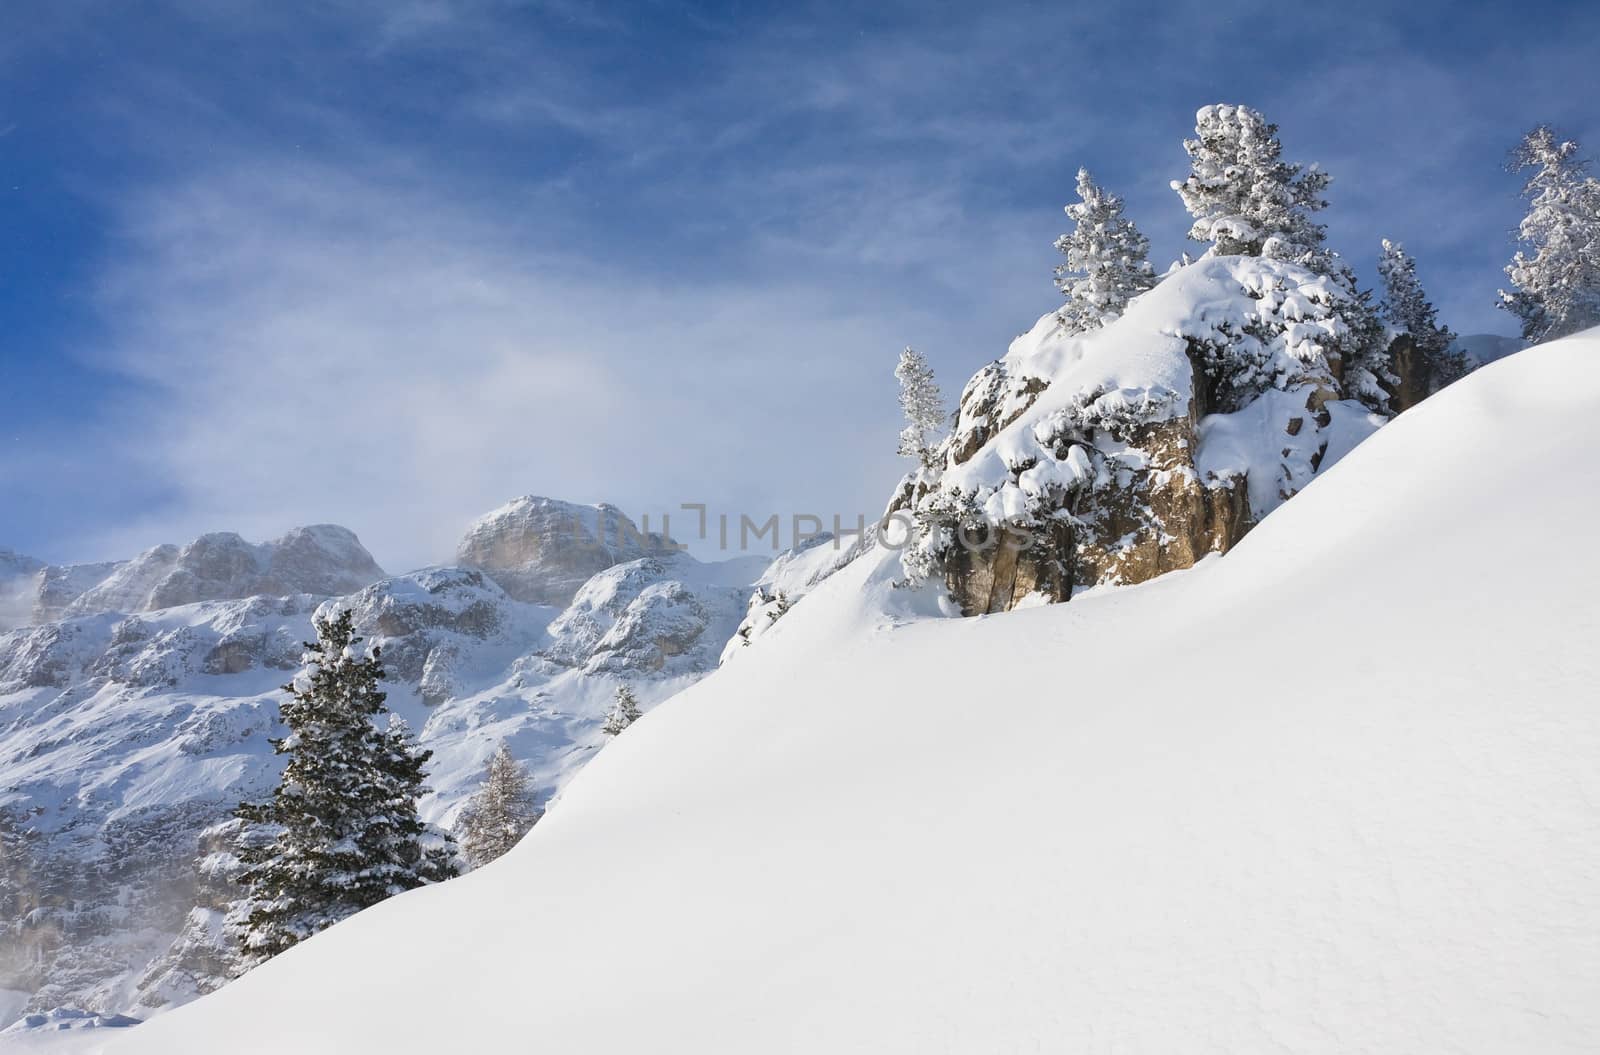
(1120, 454)
(1419, 372)
(540, 550)
(427, 620)
(204, 955)
(57, 586)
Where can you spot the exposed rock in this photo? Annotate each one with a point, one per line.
(1120, 454)
(204, 955)
(1419, 373)
(57, 586)
(424, 620)
(541, 550)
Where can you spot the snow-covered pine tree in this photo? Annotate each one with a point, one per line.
(923, 406)
(1406, 307)
(1108, 260)
(345, 833)
(1557, 273)
(1245, 199)
(624, 712)
(500, 813)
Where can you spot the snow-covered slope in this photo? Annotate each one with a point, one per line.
(1334, 791)
(123, 735)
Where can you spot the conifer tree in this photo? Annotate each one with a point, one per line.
(1557, 273)
(500, 813)
(1108, 260)
(624, 712)
(345, 833)
(1406, 307)
(923, 406)
(1246, 200)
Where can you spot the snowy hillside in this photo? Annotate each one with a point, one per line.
(1334, 791)
(124, 733)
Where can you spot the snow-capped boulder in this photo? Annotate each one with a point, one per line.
(1117, 454)
(541, 550)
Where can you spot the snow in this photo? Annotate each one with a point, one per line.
(1252, 441)
(1138, 369)
(124, 736)
(1335, 791)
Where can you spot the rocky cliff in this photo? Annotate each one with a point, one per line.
(541, 550)
(1114, 455)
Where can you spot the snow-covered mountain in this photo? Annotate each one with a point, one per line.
(1333, 791)
(130, 725)
(321, 559)
(542, 551)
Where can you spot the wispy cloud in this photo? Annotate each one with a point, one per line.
(319, 344)
(463, 249)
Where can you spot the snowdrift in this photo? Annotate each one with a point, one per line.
(1335, 791)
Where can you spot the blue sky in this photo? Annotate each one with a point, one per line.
(389, 264)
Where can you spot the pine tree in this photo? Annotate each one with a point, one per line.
(1107, 261)
(345, 833)
(624, 712)
(500, 813)
(1558, 285)
(1406, 307)
(923, 406)
(1246, 200)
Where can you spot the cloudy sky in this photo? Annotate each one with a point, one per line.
(389, 264)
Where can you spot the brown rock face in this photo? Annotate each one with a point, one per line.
(1411, 371)
(1159, 517)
